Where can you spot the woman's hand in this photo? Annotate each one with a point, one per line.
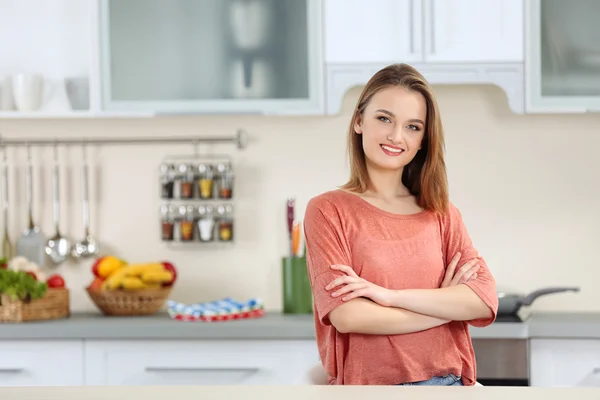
(356, 286)
(467, 272)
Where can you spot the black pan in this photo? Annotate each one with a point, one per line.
(511, 303)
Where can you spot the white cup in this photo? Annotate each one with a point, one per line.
(30, 91)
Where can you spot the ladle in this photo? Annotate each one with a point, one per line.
(57, 247)
(88, 246)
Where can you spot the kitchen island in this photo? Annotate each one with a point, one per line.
(298, 393)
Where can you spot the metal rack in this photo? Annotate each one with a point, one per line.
(240, 139)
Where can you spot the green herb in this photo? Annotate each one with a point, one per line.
(21, 285)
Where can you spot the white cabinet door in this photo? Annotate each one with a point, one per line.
(473, 30)
(372, 31)
(47, 363)
(565, 362)
(195, 362)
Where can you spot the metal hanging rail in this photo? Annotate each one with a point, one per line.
(240, 139)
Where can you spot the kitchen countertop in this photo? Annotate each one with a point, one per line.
(316, 392)
(272, 326)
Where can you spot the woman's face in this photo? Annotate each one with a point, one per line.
(392, 127)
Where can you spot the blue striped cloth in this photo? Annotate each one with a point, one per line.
(226, 306)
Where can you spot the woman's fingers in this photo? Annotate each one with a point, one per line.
(345, 269)
(341, 281)
(450, 270)
(470, 273)
(348, 288)
(463, 270)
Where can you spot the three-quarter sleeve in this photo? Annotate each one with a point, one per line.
(326, 245)
(456, 239)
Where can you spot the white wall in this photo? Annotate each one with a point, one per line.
(527, 187)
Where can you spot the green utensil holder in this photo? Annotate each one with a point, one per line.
(297, 294)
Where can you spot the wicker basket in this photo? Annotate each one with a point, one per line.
(129, 302)
(53, 305)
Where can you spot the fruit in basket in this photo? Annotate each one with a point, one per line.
(138, 276)
(55, 281)
(104, 266)
(96, 285)
(171, 268)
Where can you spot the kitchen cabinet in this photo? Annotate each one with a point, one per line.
(372, 31)
(191, 362)
(564, 362)
(41, 363)
(485, 31)
(563, 56)
(46, 60)
(414, 31)
(211, 56)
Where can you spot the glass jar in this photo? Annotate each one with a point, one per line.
(186, 181)
(167, 180)
(226, 185)
(205, 181)
(206, 223)
(167, 222)
(186, 223)
(225, 223)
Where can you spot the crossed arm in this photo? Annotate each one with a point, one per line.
(352, 304)
(372, 309)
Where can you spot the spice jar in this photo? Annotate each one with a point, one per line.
(186, 181)
(205, 181)
(186, 223)
(225, 224)
(206, 223)
(167, 222)
(167, 180)
(226, 185)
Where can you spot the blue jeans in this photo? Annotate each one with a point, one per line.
(446, 380)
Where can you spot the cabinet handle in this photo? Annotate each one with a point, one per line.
(411, 15)
(11, 370)
(198, 369)
(432, 24)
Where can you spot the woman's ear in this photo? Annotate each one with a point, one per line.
(357, 125)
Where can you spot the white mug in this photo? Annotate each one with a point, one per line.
(28, 91)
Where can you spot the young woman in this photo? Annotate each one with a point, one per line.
(395, 278)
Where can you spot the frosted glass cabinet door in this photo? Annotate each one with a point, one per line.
(564, 61)
(211, 56)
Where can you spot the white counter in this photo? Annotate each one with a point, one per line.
(298, 393)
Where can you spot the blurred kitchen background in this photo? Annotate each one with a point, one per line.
(516, 81)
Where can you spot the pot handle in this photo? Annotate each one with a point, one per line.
(527, 300)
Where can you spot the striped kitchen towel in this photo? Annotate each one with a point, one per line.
(226, 309)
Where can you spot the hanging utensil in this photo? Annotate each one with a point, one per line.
(88, 246)
(7, 247)
(32, 242)
(58, 247)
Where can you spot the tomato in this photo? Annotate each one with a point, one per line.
(32, 274)
(55, 281)
(170, 267)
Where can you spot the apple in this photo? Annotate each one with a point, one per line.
(171, 268)
(55, 281)
(96, 285)
(95, 266)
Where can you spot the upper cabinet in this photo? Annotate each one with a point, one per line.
(417, 31)
(485, 31)
(211, 56)
(372, 31)
(563, 60)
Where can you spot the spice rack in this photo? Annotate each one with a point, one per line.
(197, 195)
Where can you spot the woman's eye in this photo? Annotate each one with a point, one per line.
(414, 127)
(383, 119)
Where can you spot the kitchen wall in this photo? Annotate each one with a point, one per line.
(527, 187)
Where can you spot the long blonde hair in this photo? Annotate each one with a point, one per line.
(425, 176)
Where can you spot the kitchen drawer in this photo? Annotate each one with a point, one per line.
(198, 362)
(36, 363)
(564, 362)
